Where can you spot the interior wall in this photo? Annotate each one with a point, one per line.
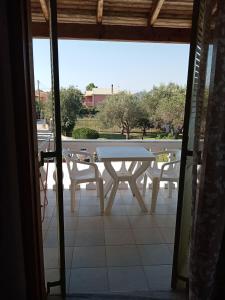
(21, 257)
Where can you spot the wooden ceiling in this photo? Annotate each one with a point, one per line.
(128, 20)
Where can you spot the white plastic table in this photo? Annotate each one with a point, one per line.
(131, 154)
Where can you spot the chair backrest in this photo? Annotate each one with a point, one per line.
(177, 156)
(71, 161)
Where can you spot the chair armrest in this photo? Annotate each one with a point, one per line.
(168, 164)
(82, 153)
(66, 152)
(91, 164)
(160, 152)
(165, 152)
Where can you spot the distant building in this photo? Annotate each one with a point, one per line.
(97, 96)
(43, 96)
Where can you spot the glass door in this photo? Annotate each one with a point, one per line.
(54, 245)
(200, 61)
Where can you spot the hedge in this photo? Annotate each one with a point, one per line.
(85, 133)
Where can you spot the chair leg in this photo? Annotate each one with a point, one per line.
(101, 195)
(170, 187)
(155, 191)
(73, 196)
(144, 186)
(97, 189)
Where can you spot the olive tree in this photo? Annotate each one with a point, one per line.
(122, 110)
(164, 104)
(170, 109)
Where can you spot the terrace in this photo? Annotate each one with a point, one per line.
(126, 252)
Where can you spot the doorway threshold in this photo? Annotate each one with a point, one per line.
(160, 295)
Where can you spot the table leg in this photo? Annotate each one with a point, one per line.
(111, 197)
(107, 187)
(115, 183)
(141, 168)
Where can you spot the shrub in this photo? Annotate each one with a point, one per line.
(85, 133)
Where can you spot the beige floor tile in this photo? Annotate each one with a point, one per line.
(46, 223)
(49, 210)
(127, 279)
(89, 211)
(89, 257)
(147, 236)
(159, 277)
(90, 223)
(51, 239)
(134, 210)
(119, 237)
(164, 220)
(70, 236)
(116, 222)
(155, 254)
(122, 256)
(85, 280)
(70, 223)
(89, 238)
(171, 248)
(168, 234)
(69, 213)
(118, 210)
(51, 257)
(146, 221)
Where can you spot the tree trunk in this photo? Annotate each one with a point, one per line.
(143, 132)
(127, 134)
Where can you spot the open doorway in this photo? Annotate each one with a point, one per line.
(101, 250)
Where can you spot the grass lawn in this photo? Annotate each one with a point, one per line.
(112, 136)
(134, 135)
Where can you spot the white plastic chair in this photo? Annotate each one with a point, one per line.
(90, 174)
(169, 172)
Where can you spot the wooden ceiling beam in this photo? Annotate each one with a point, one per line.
(115, 32)
(100, 11)
(155, 11)
(214, 8)
(44, 8)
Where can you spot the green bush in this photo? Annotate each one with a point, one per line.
(167, 136)
(85, 133)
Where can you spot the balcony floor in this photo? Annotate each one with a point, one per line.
(127, 252)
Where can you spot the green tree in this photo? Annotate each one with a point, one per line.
(149, 102)
(90, 86)
(143, 123)
(122, 110)
(170, 109)
(164, 104)
(87, 112)
(70, 104)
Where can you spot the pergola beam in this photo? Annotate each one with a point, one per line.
(44, 8)
(100, 11)
(155, 11)
(115, 32)
(214, 8)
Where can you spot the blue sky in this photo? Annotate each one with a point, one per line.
(129, 66)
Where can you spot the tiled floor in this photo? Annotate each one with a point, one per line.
(126, 252)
